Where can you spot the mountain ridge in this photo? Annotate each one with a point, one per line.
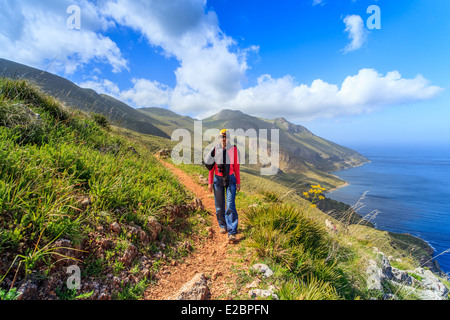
(301, 152)
(82, 98)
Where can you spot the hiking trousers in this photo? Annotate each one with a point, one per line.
(224, 198)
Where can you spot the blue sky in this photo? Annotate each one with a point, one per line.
(314, 62)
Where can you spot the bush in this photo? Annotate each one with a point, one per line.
(284, 235)
(51, 160)
(101, 120)
(22, 90)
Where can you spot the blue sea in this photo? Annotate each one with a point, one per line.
(410, 187)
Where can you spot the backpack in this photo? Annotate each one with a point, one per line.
(223, 167)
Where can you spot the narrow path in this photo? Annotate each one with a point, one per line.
(211, 257)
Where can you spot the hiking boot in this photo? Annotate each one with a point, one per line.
(223, 230)
(232, 237)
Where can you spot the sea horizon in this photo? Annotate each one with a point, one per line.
(409, 186)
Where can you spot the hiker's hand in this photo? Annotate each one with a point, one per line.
(238, 187)
(210, 187)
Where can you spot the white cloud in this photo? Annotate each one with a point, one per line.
(354, 26)
(358, 94)
(102, 86)
(361, 93)
(318, 2)
(212, 67)
(146, 93)
(36, 34)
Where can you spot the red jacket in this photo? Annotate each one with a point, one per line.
(234, 167)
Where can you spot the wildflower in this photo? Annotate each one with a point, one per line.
(313, 206)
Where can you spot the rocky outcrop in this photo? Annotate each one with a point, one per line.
(264, 269)
(382, 277)
(195, 289)
(269, 293)
(265, 294)
(163, 153)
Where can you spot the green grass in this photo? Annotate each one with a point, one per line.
(286, 237)
(51, 159)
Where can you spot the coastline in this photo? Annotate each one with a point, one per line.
(346, 183)
(432, 263)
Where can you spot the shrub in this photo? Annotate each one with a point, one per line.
(101, 120)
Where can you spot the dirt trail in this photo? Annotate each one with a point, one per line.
(211, 257)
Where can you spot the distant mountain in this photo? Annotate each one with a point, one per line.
(168, 120)
(303, 155)
(84, 99)
(297, 144)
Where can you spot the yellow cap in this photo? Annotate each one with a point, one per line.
(223, 132)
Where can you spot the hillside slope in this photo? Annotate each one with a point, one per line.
(76, 192)
(296, 141)
(303, 156)
(83, 99)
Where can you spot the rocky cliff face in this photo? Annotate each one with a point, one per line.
(290, 127)
(391, 282)
(299, 147)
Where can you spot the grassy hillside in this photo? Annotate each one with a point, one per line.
(168, 120)
(299, 146)
(311, 262)
(303, 156)
(83, 99)
(74, 191)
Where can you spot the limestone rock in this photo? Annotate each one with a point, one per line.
(163, 153)
(198, 204)
(264, 269)
(202, 179)
(129, 255)
(115, 227)
(429, 288)
(195, 289)
(154, 228)
(431, 282)
(269, 293)
(374, 276)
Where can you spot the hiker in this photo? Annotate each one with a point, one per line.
(225, 178)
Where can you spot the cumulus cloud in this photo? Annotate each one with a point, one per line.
(212, 67)
(360, 93)
(354, 26)
(147, 93)
(35, 33)
(144, 93)
(102, 86)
